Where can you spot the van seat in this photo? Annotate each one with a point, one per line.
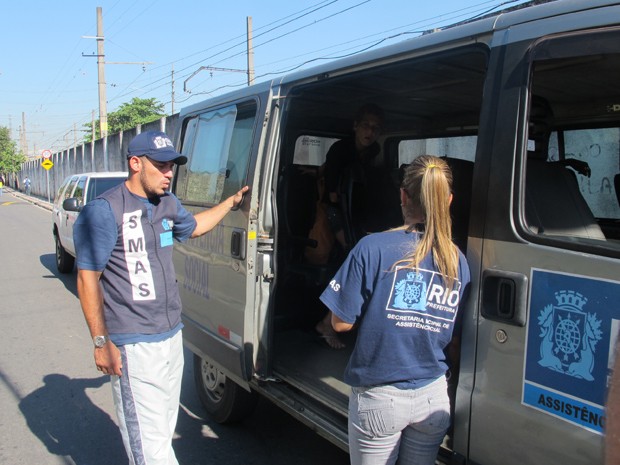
(369, 200)
(299, 196)
(462, 181)
(300, 203)
(554, 205)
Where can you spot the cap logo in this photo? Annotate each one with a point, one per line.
(162, 142)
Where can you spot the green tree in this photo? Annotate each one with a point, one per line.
(11, 159)
(128, 116)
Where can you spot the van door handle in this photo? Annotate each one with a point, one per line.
(237, 244)
(504, 297)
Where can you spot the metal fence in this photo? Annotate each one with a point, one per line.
(106, 154)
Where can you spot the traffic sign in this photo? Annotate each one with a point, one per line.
(47, 154)
(47, 163)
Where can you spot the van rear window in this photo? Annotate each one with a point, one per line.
(312, 150)
(462, 148)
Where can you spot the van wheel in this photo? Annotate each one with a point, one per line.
(223, 399)
(64, 261)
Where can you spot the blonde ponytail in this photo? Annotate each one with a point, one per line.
(428, 184)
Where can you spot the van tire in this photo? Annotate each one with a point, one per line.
(64, 261)
(223, 399)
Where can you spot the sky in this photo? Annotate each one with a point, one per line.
(49, 78)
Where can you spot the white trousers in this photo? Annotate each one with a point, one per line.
(146, 398)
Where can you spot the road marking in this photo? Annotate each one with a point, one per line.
(7, 203)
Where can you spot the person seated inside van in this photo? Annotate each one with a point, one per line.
(351, 156)
(354, 153)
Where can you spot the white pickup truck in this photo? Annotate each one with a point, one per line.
(72, 195)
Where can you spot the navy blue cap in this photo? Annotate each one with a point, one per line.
(156, 145)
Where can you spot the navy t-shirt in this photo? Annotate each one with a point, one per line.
(97, 228)
(405, 316)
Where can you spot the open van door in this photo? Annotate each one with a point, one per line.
(217, 272)
(545, 250)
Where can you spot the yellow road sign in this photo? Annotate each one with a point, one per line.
(47, 163)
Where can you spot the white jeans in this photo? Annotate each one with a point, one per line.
(388, 424)
(146, 399)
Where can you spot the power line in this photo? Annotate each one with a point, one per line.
(164, 81)
(357, 51)
(193, 65)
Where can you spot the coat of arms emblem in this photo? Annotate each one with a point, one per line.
(410, 292)
(569, 336)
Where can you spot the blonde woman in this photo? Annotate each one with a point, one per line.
(402, 289)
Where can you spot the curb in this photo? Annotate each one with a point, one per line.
(29, 198)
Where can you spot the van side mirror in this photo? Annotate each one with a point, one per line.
(72, 204)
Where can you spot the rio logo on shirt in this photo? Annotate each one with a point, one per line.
(423, 292)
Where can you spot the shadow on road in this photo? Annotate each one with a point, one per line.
(66, 421)
(270, 435)
(69, 279)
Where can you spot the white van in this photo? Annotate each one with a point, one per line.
(525, 105)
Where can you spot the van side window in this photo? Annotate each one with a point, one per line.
(600, 149)
(218, 145)
(573, 141)
(312, 150)
(463, 148)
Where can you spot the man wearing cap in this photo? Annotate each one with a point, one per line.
(129, 294)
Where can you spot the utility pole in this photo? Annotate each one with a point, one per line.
(172, 97)
(103, 110)
(250, 52)
(23, 136)
(94, 132)
(249, 71)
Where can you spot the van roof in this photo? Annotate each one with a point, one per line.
(321, 86)
(534, 10)
(531, 11)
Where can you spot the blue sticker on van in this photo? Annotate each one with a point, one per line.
(571, 335)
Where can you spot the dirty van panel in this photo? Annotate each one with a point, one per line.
(549, 316)
(213, 269)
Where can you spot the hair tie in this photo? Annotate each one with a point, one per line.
(431, 166)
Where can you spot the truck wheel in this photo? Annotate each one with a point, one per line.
(223, 399)
(64, 261)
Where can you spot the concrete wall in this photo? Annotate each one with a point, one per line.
(108, 154)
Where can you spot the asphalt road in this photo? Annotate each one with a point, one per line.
(55, 406)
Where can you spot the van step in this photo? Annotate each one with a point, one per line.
(317, 416)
